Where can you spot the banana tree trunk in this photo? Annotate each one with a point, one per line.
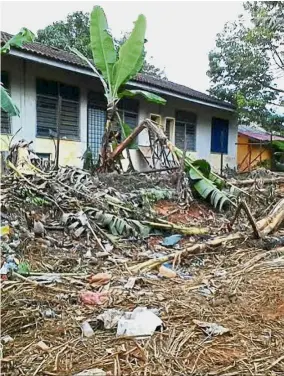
(127, 141)
(111, 108)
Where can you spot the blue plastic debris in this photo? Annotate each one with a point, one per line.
(172, 240)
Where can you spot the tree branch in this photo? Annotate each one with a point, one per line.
(269, 86)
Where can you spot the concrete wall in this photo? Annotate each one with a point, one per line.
(23, 74)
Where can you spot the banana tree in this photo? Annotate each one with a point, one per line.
(7, 103)
(115, 67)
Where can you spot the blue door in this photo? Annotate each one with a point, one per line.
(219, 136)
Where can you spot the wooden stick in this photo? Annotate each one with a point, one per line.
(182, 229)
(151, 264)
(95, 236)
(243, 205)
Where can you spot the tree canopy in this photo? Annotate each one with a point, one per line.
(247, 64)
(75, 32)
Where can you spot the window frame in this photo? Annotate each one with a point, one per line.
(172, 128)
(70, 137)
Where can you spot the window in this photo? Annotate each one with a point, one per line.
(185, 130)
(96, 121)
(5, 118)
(219, 136)
(128, 110)
(48, 93)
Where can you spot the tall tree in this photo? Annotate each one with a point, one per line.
(74, 32)
(246, 66)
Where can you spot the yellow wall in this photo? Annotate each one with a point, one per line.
(4, 142)
(69, 151)
(243, 156)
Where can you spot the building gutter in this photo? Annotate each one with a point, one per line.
(75, 68)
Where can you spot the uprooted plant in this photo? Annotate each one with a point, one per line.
(115, 67)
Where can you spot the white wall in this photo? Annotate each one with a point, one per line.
(23, 74)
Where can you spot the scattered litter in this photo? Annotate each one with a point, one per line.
(4, 230)
(6, 339)
(42, 346)
(49, 314)
(46, 278)
(92, 372)
(211, 329)
(87, 329)
(93, 298)
(166, 272)
(207, 291)
(220, 273)
(130, 283)
(88, 254)
(172, 240)
(140, 322)
(99, 279)
(110, 318)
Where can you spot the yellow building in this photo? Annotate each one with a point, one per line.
(253, 148)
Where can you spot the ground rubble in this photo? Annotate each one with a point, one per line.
(75, 245)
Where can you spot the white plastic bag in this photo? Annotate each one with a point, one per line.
(140, 322)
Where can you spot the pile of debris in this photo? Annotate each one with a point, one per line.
(116, 275)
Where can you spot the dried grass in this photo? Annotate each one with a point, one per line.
(249, 300)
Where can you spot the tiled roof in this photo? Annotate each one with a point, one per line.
(57, 54)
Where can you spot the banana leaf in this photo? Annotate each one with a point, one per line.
(7, 103)
(202, 184)
(131, 57)
(102, 45)
(213, 177)
(118, 226)
(146, 94)
(23, 36)
(207, 189)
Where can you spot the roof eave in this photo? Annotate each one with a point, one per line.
(85, 70)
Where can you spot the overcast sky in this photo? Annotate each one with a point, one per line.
(180, 34)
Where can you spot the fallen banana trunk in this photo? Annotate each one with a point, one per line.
(273, 220)
(151, 264)
(177, 228)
